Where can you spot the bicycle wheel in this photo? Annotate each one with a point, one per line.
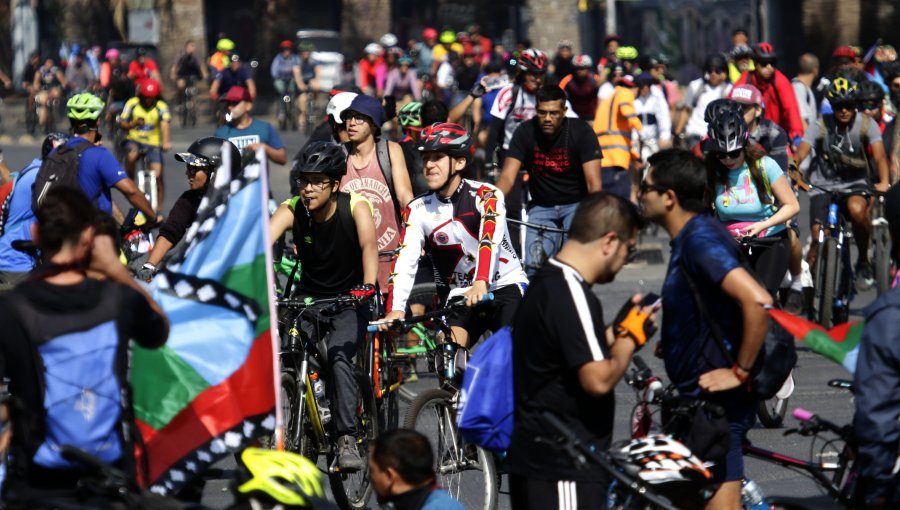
(826, 276)
(771, 412)
(283, 112)
(882, 241)
(298, 436)
(465, 470)
(352, 490)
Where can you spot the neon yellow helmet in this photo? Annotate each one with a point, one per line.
(225, 44)
(280, 477)
(447, 37)
(84, 106)
(627, 53)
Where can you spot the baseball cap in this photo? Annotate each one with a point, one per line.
(368, 106)
(746, 94)
(844, 52)
(235, 94)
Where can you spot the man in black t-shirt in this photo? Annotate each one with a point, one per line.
(567, 362)
(562, 158)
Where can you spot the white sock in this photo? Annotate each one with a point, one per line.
(796, 283)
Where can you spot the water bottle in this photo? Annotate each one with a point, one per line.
(449, 350)
(752, 497)
(832, 214)
(318, 387)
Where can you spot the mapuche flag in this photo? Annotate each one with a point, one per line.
(212, 388)
(839, 344)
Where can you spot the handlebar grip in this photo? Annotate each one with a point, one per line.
(372, 328)
(488, 297)
(802, 414)
(639, 363)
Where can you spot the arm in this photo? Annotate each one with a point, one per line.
(802, 152)
(214, 89)
(402, 186)
(789, 207)
(403, 272)
(251, 88)
(459, 111)
(881, 163)
(365, 230)
(598, 378)
(165, 130)
(160, 249)
(626, 107)
(281, 221)
(741, 286)
(509, 173)
(135, 197)
(592, 176)
(391, 82)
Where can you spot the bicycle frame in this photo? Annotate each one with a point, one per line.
(817, 471)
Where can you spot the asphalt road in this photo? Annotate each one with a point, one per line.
(811, 374)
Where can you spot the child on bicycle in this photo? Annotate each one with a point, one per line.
(335, 242)
(462, 223)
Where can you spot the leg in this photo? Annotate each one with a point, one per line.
(818, 216)
(538, 246)
(42, 98)
(616, 180)
(858, 211)
(131, 157)
(770, 263)
(343, 343)
(155, 158)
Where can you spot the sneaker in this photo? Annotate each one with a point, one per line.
(348, 454)
(794, 302)
(865, 276)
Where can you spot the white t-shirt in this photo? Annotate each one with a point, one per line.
(523, 110)
(653, 111)
(445, 77)
(699, 94)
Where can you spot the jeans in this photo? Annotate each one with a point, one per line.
(616, 180)
(554, 216)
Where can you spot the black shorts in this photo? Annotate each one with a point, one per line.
(818, 207)
(528, 493)
(424, 291)
(490, 316)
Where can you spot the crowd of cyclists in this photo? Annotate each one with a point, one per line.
(426, 152)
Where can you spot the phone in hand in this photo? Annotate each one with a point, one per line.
(651, 299)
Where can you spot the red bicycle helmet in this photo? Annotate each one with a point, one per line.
(451, 139)
(149, 88)
(286, 45)
(532, 61)
(764, 50)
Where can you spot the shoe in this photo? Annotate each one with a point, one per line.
(348, 454)
(794, 302)
(865, 276)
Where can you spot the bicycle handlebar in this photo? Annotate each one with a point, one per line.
(811, 424)
(308, 301)
(539, 228)
(399, 323)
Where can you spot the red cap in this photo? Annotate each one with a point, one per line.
(235, 94)
(746, 94)
(844, 52)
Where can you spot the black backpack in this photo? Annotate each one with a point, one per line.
(59, 168)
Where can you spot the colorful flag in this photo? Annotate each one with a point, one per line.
(213, 387)
(839, 344)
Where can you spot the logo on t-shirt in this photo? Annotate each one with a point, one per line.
(555, 161)
(242, 141)
(380, 196)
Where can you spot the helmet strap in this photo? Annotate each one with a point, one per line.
(445, 188)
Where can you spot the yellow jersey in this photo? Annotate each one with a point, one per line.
(149, 133)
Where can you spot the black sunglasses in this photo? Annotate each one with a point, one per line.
(730, 154)
(766, 62)
(870, 106)
(193, 169)
(843, 106)
(647, 187)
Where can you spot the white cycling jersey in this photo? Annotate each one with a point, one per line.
(466, 237)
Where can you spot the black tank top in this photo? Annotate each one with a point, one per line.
(330, 256)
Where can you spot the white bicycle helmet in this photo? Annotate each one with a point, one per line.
(373, 49)
(340, 102)
(388, 40)
(660, 459)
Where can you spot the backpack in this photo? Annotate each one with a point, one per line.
(487, 401)
(59, 168)
(384, 163)
(76, 356)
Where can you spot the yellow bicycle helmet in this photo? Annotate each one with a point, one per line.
(84, 106)
(283, 478)
(841, 90)
(627, 53)
(225, 44)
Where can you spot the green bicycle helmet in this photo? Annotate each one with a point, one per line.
(411, 115)
(279, 478)
(627, 53)
(225, 45)
(448, 37)
(84, 106)
(307, 46)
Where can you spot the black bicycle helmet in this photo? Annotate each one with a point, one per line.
(326, 158)
(841, 90)
(715, 61)
(869, 91)
(207, 154)
(727, 132)
(532, 61)
(53, 141)
(715, 108)
(764, 51)
(451, 139)
(648, 62)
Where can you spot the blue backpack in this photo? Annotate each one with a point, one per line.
(487, 402)
(77, 355)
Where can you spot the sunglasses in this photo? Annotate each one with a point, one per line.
(193, 169)
(730, 154)
(765, 63)
(871, 106)
(715, 70)
(843, 106)
(647, 187)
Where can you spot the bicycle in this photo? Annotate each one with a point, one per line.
(881, 241)
(286, 114)
(313, 115)
(306, 420)
(435, 410)
(145, 179)
(834, 275)
(545, 235)
(188, 107)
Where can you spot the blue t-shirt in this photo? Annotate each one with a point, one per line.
(738, 205)
(98, 172)
(228, 78)
(688, 348)
(19, 221)
(257, 132)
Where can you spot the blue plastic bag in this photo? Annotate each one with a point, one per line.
(487, 401)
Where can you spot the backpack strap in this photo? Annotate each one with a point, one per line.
(714, 328)
(79, 150)
(383, 154)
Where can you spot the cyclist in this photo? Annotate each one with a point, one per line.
(18, 217)
(582, 87)
(309, 79)
(674, 194)
(614, 123)
(402, 82)
(423, 52)
(627, 56)
(462, 223)
(372, 70)
(187, 69)
(47, 322)
(562, 159)
(562, 65)
(334, 234)
(840, 162)
(441, 52)
(147, 119)
(752, 196)
(115, 81)
(410, 118)
(30, 69)
(235, 75)
(567, 362)
(143, 67)
(741, 62)
(219, 60)
(202, 159)
(285, 71)
(777, 92)
(400, 467)
(246, 132)
(700, 92)
(653, 112)
(871, 102)
(803, 90)
(49, 82)
(876, 384)
(79, 75)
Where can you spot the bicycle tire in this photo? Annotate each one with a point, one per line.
(298, 436)
(388, 406)
(352, 491)
(282, 114)
(826, 277)
(771, 412)
(882, 242)
(432, 414)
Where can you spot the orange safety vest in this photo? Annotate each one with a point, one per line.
(613, 123)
